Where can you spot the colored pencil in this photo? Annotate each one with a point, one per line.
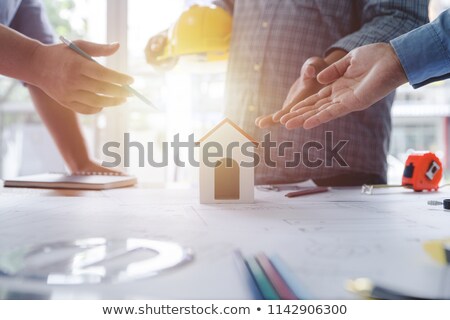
(247, 274)
(307, 192)
(263, 282)
(275, 278)
(289, 278)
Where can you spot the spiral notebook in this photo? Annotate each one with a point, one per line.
(78, 181)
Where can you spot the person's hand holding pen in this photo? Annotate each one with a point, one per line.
(70, 79)
(75, 82)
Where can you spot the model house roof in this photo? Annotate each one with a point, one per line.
(234, 125)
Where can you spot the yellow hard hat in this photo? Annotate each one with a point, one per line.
(200, 30)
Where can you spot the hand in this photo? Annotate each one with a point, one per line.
(76, 82)
(303, 87)
(155, 48)
(360, 79)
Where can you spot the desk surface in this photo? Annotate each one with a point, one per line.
(324, 238)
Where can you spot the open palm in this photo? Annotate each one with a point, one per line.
(355, 82)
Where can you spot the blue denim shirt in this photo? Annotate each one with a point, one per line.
(425, 52)
(27, 17)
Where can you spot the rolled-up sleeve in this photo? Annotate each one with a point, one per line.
(425, 52)
(31, 20)
(228, 5)
(384, 20)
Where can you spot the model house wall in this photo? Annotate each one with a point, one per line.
(225, 179)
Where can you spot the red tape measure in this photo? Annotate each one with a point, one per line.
(422, 172)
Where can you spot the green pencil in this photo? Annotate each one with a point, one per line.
(263, 283)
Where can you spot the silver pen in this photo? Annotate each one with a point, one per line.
(75, 48)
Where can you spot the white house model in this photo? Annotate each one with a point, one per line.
(227, 165)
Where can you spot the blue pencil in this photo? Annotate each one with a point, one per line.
(244, 269)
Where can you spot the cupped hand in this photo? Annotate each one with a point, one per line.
(77, 83)
(305, 86)
(357, 81)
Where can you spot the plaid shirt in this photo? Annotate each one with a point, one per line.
(270, 42)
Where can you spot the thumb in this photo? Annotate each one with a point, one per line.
(334, 71)
(96, 49)
(312, 67)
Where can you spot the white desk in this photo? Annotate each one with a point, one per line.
(324, 238)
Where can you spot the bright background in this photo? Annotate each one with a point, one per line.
(191, 96)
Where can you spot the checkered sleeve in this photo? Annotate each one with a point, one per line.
(384, 20)
(228, 5)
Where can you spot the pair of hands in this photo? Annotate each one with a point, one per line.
(305, 86)
(328, 88)
(354, 83)
(76, 82)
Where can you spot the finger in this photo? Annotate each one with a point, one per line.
(258, 119)
(297, 121)
(82, 108)
(312, 67)
(97, 101)
(334, 71)
(311, 106)
(297, 113)
(308, 102)
(294, 114)
(332, 112)
(98, 72)
(312, 122)
(96, 49)
(310, 71)
(265, 122)
(279, 114)
(325, 93)
(316, 107)
(287, 106)
(287, 117)
(104, 88)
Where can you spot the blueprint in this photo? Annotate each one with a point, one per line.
(325, 238)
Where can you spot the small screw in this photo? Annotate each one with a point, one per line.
(445, 203)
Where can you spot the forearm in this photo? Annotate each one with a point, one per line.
(424, 53)
(16, 52)
(63, 125)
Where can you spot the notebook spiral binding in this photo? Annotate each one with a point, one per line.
(86, 173)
